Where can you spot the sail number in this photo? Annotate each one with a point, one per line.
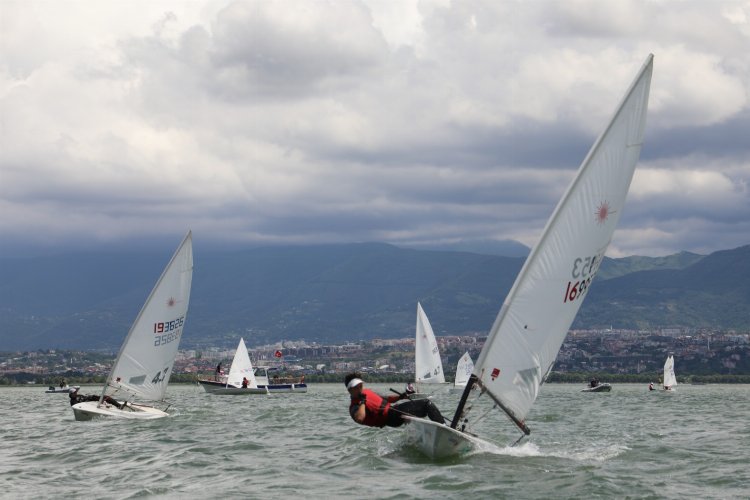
(582, 272)
(160, 376)
(168, 331)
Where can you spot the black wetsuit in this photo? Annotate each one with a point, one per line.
(417, 407)
(76, 398)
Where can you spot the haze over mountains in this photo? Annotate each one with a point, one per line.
(335, 293)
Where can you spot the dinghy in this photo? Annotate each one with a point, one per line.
(428, 367)
(242, 368)
(144, 363)
(598, 388)
(670, 381)
(463, 371)
(534, 319)
(64, 389)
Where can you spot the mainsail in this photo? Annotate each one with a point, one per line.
(463, 370)
(144, 364)
(241, 368)
(669, 377)
(540, 307)
(428, 367)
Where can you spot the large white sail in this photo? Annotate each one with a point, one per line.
(540, 307)
(670, 380)
(428, 367)
(463, 370)
(144, 364)
(241, 368)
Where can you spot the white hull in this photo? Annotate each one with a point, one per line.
(89, 410)
(598, 388)
(57, 390)
(213, 387)
(235, 390)
(439, 440)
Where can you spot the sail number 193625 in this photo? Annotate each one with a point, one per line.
(168, 331)
(583, 271)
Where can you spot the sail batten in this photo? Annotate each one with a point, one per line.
(542, 303)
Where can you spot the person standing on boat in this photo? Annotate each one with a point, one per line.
(219, 373)
(370, 408)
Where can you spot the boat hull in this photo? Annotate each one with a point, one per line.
(439, 440)
(598, 388)
(59, 390)
(213, 387)
(89, 410)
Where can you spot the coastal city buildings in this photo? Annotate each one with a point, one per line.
(605, 351)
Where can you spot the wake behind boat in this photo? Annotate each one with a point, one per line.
(534, 319)
(144, 363)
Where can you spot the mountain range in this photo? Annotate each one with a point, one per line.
(335, 293)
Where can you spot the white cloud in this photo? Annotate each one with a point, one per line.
(398, 121)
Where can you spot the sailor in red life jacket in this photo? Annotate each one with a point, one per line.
(370, 408)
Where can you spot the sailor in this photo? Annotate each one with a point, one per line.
(245, 381)
(369, 408)
(651, 386)
(76, 398)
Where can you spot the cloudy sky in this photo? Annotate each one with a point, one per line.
(399, 121)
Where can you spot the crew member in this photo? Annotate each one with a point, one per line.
(76, 398)
(370, 408)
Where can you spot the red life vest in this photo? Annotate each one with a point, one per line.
(376, 409)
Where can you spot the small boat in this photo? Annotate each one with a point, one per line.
(428, 366)
(670, 380)
(535, 317)
(267, 378)
(463, 371)
(241, 369)
(144, 363)
(598, 388)
(65, 389)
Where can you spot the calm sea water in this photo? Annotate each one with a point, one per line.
(694, 443)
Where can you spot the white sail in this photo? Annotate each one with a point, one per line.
(463, 370)
(540, 307)
(144, 364)
(428, 367)
(669, 377)
(241, 368)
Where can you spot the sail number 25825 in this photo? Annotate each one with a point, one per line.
(583, 271)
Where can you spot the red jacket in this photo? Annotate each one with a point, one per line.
(376, 408)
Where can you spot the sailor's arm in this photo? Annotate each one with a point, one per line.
(358, 412)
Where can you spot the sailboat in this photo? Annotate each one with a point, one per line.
(463, 371)
(242, 368)
(144, 363)
(534, 319)
(428, 368)
(669, 377)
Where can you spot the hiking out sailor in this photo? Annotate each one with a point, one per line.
(369, 408)
(76, 398)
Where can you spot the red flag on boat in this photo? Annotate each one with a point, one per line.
(277, 354)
